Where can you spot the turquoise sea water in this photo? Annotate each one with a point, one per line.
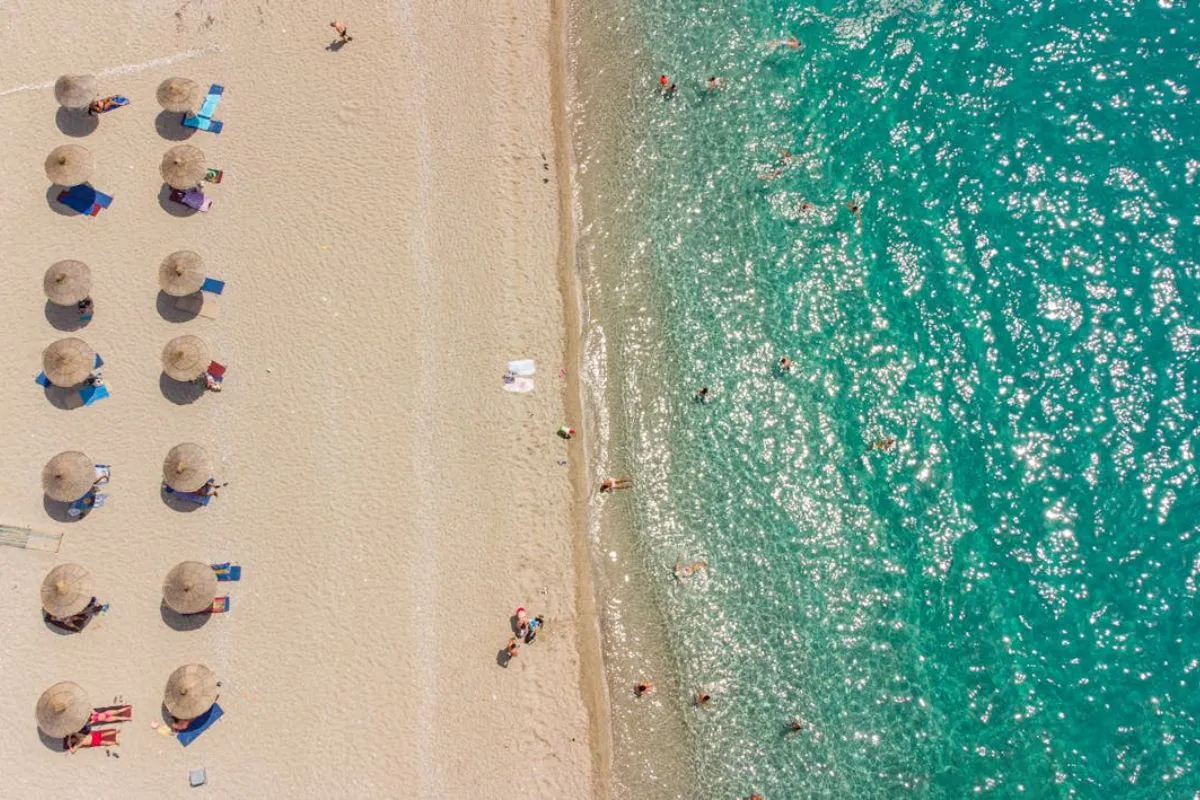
(1005, 600)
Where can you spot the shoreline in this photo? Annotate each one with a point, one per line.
(593, 675)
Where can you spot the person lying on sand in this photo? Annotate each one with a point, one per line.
(105, 737)
(103, 716)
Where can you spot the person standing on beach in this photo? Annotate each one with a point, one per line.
(340, 29)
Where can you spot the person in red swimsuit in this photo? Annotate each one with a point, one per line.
(104, 737)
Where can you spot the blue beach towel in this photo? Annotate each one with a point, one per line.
(42, 380)
(92, 394)
(212, 286)
(200, 724)
(85, 199)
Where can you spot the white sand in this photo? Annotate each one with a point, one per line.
(389, 241)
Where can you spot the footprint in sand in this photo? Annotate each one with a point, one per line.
(350, 112)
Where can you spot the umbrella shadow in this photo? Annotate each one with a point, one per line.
(50, 626)
(54, 743)
(169, 125)
(176, 503)
(181, 393)
(173, 208)
(76, 123)
(63, 399)
(170, 312)
(64, 318)
(182, 622)
(52, 194)
(57, 510)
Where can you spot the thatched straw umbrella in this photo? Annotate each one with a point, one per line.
(190, 587)
(183, 166)
(69, 165)
(75, 91)
(68, 362)
(67, 282)
(181, 273)
(191, 690)
(63, 709)
(186, 358)
(67, 590)
(179, 94)
(187, 468)
(68, 476)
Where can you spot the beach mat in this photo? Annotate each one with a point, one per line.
(200, 724)
(519, 385)
(523, 368)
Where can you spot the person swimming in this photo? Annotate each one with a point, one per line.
(688, 570)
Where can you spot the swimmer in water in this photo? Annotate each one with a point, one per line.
(688, 570)
(884, 445)
(791, 43)
(665, 86)
(613, 484)
(785, 364)
(642, 689)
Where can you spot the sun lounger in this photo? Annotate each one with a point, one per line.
(85, 199)
(203, 123)
(192, 198)
(42, 380)
(228, 571)
(220, 605)
(216, 370)
(202, 120)
(212, 286)
(98, 363)
(214, 175)
(191, 497)
(86, 504)
(108, 104)
(92, 394)
(523, 368)
(200, 724)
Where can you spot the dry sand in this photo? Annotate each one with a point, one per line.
(390, 237)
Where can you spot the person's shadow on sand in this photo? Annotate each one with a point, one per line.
(503, 659)
(335, 45)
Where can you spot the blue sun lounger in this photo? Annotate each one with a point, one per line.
(227, 571)
(212, 286)
(202, 120)
(200, 724)
(92, 394)
(191, 497)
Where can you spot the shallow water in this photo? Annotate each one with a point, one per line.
(1003, 599)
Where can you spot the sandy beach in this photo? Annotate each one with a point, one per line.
(390, 229)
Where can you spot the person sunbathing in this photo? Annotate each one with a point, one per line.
(178, 724)
(105, 737)
(103, 716)
(76, 622)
